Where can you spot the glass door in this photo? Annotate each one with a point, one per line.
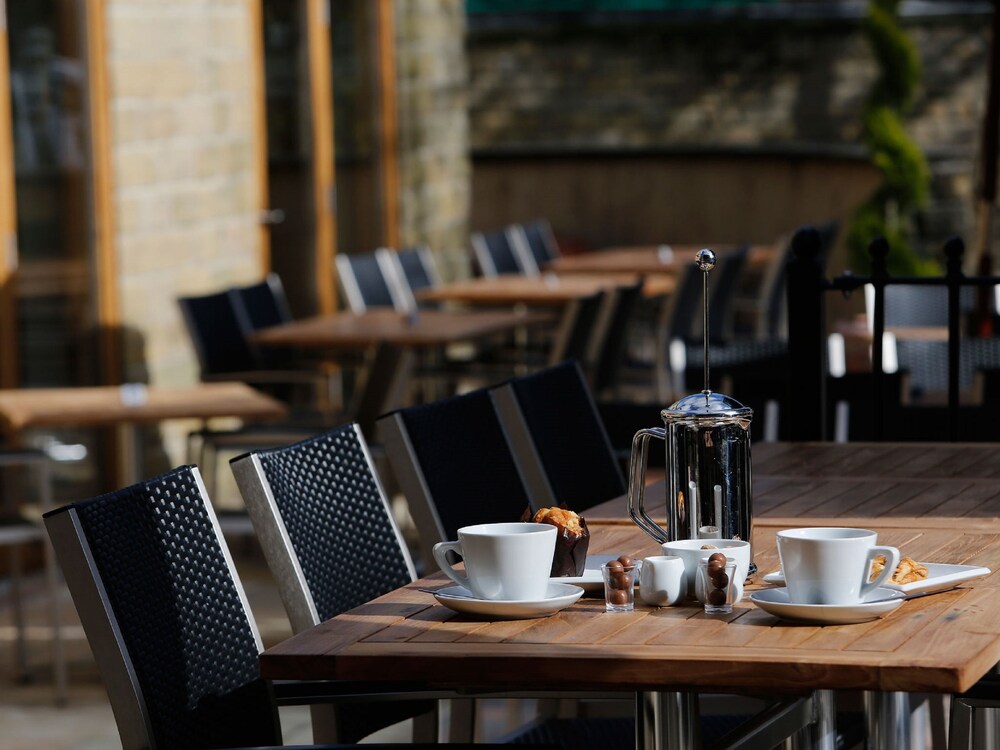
(329, 115)
(363, 44)
(299, 151)
(50, 286)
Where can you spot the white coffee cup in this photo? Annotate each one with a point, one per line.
(662, 581)
(510, 561)
(690, 550)
(831, 565)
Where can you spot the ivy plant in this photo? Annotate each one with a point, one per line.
(890, 210)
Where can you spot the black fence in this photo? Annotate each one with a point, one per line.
(876, 395)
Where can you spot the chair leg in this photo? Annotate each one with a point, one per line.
(60, 671)
(17, 611)
(425, 726)
(961, 722)
(462, 720)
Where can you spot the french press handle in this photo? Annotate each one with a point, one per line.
(637, 483)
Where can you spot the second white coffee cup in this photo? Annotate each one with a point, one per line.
(502, 560)
(831, 565)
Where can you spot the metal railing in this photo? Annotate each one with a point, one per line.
(807, 286)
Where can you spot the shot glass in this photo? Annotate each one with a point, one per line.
(716, 585)
(619, 586)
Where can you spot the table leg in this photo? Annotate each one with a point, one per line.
(667, 721)
(887, 720)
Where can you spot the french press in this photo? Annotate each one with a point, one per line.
(707, 438)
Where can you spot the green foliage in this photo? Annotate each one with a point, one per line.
(907, 178)
(899, 65)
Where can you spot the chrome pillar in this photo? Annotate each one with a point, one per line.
(824, 728)
(887, 720)
(667, 721)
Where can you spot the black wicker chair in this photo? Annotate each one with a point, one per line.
(167, 618)
(318, 507)
(558, 437)
(454, 464)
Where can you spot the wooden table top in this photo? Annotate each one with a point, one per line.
(547, 289)
(428, 328)
(944, 642)
(650, 259)
(919, 482)
(103, 405)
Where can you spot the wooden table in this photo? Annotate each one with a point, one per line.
(922, 484)
(110, 406)
(426, 329)
(941, 643)
(549, 289)
(650, 259)
(104, 405)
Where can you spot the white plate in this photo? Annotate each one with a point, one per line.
(592, 580)
(879, 602)
(559, 596)
(940, 577)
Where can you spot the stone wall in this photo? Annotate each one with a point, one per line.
(432, 85)
(668, 86)
(182, 139)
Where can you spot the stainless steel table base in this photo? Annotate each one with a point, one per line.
(667, 721)
(887, 720)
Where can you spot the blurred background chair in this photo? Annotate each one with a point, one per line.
(18, 534)
(369, 280)
(453, 463)
(219, 325)
(332, 544)
(496, 255)
(608, 355)
(536, 239)
(416, 267)
(558, 438)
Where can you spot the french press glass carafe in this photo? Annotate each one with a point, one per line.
(708, 480)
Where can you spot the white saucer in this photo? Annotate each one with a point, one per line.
(559, 596)
(876, 603)
(592, 579)
(940, 577)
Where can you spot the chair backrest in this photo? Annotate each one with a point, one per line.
(324, 523)
(418, 267)
(539, 240)
(413, 269)
(611, 352)
(369, 281)
(555, 428)
(773, 317)
(497, 255)
(728, 271)
(262, 305)
(219, 331)
(578, 327)
(455, 466)
(265, 302)
(679, 315)
(165, 615)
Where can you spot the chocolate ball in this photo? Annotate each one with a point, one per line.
(717, 556)
(615, 567)
(716, 597)
(619, 596)
(619, 580)
(627, 562)
(719, 579)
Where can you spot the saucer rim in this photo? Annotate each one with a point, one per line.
(829, 614)
(469, 596)
(891, 595)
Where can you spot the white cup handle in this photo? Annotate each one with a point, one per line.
(441, 550)
(892, 561)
